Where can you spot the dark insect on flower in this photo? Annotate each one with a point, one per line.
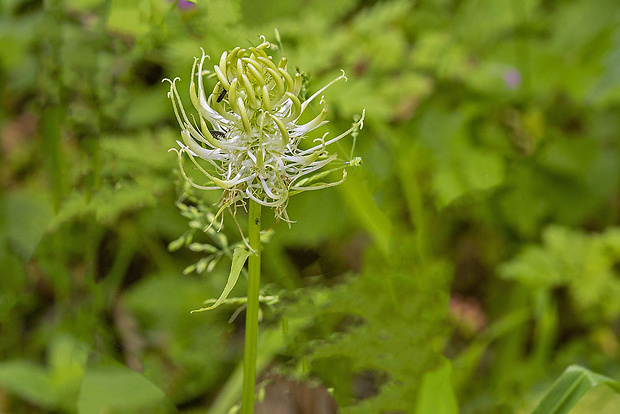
(221, 96)
(217, 134)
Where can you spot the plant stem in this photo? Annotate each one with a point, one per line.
(251, 317)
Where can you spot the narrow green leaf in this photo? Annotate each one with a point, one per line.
(240, 255)
(570, 387)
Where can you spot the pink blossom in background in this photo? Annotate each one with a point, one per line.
(183, 4)
(512, 78)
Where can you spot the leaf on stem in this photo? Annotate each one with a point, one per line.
(240, 255)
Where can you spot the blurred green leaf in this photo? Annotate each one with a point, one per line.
(461, 166)
(570, 387)
(584, 263)
(117, 389)
(28, 213)
(436, 393)
(29, 381)
(128, 17)
(366, 209)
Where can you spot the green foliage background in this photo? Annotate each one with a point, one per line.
(472, 258)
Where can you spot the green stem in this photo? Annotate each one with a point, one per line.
(251, 317)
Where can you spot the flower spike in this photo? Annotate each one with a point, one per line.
(249, 133)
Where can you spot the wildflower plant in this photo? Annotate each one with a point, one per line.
(249, 141)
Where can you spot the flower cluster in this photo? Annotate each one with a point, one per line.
(247, 138)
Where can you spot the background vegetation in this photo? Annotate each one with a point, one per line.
(473, 257)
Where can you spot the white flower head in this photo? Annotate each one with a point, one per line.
(247, 138)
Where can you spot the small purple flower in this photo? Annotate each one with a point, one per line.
(183, 4)
(512, 78)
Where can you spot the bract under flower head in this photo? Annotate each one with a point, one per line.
(247, 137)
